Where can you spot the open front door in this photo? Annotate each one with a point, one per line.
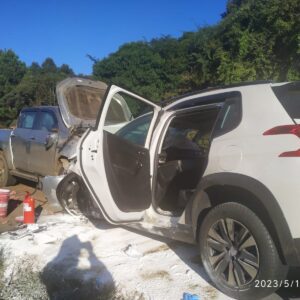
(114, 157)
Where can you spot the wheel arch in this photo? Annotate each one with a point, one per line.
(228, 187)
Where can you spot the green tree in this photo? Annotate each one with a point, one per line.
(36, 87)
(255, 40)
(11, 71)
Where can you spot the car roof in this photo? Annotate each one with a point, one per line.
(211, 95)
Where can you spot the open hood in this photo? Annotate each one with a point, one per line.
(79, 100)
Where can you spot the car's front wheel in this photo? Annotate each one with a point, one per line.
(238, 252)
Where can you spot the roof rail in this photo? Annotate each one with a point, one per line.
(219, 87)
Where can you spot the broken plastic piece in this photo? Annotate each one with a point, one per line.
(187, 296)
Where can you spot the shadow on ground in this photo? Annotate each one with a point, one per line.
(76, 273)
(294, 291)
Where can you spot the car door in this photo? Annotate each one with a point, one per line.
(42, 159)
(114, 156)
(21, 138)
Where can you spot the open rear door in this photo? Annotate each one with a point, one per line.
(114, 156)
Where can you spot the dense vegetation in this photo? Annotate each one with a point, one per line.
(26, 86)
(255, 39)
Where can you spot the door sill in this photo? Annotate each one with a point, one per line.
(178, 232)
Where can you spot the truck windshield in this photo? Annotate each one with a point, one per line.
(289, 97)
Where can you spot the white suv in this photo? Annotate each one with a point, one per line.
(218, 168)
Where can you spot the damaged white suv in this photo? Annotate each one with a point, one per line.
(218, 168)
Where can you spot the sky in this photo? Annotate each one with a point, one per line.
(68, 30)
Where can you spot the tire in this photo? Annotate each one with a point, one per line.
(67, 194)
(238, 252)
(5, 178)
(75, 198)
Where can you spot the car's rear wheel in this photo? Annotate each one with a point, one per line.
(238, 252)
(5, 178)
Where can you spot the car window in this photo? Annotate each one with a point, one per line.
(47, 121)
(189, 135)
(289, 97)
(230, 116)
(129, 118)
(136, 131)
(27, 119)
(118, 112)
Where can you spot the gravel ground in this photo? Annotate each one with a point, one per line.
(75, 258)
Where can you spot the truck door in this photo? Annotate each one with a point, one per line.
(42, 159)
(21, 138)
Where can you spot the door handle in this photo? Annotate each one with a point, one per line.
(32, 138)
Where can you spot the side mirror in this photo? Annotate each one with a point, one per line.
(51, 140)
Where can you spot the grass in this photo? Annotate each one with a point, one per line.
(24, 282)
(28, 283)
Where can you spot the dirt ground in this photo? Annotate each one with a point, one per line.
(76, 258)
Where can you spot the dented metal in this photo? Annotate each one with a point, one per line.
(49, 188)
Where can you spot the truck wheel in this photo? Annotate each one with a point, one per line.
(238, 253)
(5, 178)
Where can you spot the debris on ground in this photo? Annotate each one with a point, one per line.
(187, 296)
(131, 251)
(69, 257)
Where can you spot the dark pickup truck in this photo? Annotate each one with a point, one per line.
(46, 137)
(34, 147)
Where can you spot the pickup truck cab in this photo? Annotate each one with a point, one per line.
(31, 149)
(45, 139)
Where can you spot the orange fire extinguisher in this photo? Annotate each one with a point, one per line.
(28, 209)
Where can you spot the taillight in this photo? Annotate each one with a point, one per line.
(286, 129)
(290, 154)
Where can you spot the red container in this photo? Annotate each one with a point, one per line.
(28, 210)
(4, 198)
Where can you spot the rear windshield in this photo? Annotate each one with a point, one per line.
(289, 97)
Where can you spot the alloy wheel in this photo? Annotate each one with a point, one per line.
(69, 198)
(232, 253)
